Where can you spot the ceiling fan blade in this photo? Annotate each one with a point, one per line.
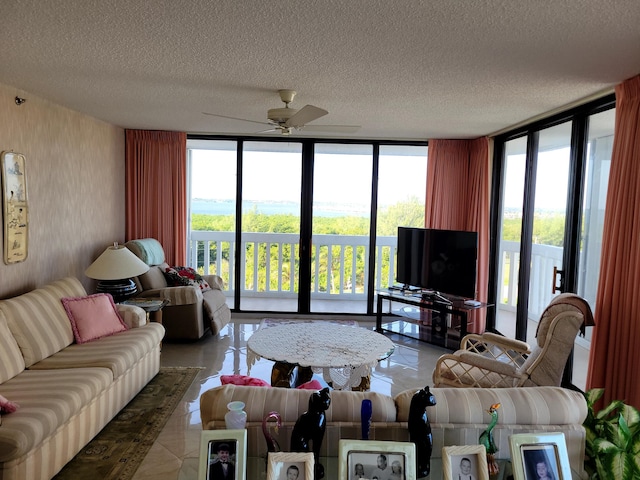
(235, 118)
(306, 114)
(332, 128)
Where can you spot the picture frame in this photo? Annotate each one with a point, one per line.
(464, 460)
(530, 451)
(15, 207)
(280, 463)
(212, 454)
(370, 455)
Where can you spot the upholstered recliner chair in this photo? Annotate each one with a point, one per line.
(491, 360)
(190, 311)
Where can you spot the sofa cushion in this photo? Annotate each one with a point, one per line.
(11, 361)
(291, 403)
(47, 400)
(93, 317)
(520, 406)
(117, 353)
(38, 321)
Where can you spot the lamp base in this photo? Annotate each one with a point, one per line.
(120, 290)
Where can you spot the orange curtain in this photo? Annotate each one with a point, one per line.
(458, 198)
(614, 362)
(156, 186)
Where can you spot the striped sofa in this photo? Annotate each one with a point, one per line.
(458, 418)
(67, 392)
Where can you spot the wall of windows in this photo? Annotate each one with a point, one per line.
(302, 225)
(550, 182)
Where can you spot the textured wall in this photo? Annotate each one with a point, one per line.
(75, 189)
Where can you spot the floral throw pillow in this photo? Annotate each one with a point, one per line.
(180, 276)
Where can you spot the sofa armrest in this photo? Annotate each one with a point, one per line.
(216, 282)
(133, 316)
(183, 295)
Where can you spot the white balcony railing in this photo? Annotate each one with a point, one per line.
(213, 252)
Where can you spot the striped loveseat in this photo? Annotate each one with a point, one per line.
(67, 392)
(458, 418)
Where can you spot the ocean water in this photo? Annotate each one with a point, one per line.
(227, 207)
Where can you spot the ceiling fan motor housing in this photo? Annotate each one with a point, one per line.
(281, 115)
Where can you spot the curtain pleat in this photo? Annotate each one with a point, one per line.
(458, 198)
(614, 361)
(156, 186)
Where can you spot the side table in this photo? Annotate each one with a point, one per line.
(153, 307)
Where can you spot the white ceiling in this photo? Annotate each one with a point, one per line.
(399, 69)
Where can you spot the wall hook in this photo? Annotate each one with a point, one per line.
(20, 100)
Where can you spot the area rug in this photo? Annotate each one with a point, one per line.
(118, 450)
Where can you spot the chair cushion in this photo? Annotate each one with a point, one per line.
(154, 278)
(93, 317)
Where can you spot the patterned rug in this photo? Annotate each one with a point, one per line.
(118, 450)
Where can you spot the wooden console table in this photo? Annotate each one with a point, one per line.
(425, 319)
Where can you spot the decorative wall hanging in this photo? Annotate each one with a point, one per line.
(16, 209)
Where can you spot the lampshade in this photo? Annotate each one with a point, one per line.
(117, 262)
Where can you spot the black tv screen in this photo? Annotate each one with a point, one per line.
(444, 261)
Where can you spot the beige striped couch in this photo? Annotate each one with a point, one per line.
(66, 391)
(458, 418)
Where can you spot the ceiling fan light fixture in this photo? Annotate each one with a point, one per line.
(281, 115)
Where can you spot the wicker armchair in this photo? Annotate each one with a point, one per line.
(493, 361)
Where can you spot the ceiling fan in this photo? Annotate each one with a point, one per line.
(287, 119)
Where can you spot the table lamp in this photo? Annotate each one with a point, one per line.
(114, 269)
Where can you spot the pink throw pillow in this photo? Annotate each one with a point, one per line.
(243, 380)
(7, 406)
(93, 317)
(311, 385)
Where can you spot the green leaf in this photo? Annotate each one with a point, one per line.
(593, 395)
(631, 415)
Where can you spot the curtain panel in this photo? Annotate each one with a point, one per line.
(614, 362)
(458, 198)
(156, 186)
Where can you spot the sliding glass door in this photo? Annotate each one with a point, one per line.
(551, 210)
(271, 185)
(341, 220)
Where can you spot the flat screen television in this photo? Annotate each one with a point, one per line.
(443, 261)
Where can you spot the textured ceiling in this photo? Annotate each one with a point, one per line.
(399, 69)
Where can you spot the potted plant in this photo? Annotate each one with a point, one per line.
(613, 439)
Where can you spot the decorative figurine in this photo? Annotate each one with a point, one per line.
(366, 410)
(420, 430)
(486, 439)
(308, 432)
(272, 443)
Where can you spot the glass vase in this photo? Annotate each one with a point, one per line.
(236, 417)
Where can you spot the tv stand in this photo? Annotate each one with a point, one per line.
(435, 297)
(425, 315)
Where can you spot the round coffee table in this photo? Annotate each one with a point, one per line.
(343, 354)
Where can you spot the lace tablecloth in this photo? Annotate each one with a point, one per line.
(342, 354)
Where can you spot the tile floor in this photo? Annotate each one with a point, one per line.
(174, 455)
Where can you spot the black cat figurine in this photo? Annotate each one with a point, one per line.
(308, 432)
(420, 430)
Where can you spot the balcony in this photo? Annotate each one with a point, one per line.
(271, 286)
